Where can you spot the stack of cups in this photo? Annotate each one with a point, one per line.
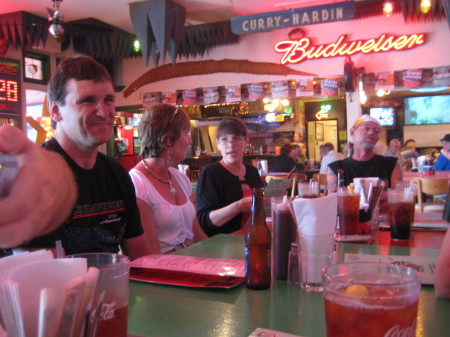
(316, 252)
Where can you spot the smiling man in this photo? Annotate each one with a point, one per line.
(106, 217)
(364, 162)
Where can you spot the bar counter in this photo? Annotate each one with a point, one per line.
(166, 311)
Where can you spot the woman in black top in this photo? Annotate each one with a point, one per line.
(224, 188)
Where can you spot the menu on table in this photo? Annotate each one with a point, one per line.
(188, 271)
(424, 264)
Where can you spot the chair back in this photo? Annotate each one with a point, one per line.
(321, 178)
(431, 186)
(193, 175)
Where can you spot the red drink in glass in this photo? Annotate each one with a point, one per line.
(348, 213)
(113, 323)
(401, 209)
(371, 300)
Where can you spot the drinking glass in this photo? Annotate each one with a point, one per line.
(370, 300)
(113, 283)
(348, 214)
(401, 210)
(308, 189)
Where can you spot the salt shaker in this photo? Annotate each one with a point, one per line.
(293, 265)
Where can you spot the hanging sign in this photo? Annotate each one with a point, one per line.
(150, 98)
(211, 95)
(294, 17)
(301, 49)
(329, 86)
(305, 87)
(412, 78)
(233, 93)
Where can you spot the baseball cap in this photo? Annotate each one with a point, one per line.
(446, 138)
(365, 119)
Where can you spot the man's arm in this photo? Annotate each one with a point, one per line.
(331, 180)
(397, 174)
(41, 197)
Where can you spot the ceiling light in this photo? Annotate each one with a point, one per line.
(388, 8)
(136, 46)
(383, 92)
(425, 6)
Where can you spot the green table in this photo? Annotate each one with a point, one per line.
(166, 311)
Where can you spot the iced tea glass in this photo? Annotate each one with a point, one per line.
(113, 280)
(348, 214)
(371, 300)
(401, 211)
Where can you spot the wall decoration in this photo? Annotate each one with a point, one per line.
(36, 67)
(305, 87)
(168, 71)
(233, 93)
(150, 98)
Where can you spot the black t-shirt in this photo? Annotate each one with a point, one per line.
(216, 188)
(105, 213)
(377, 166)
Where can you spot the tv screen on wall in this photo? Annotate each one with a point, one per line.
(385, 115)
(425, 110)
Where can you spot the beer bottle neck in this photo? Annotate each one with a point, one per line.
(258, 213)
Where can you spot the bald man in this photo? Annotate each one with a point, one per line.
(394, 151)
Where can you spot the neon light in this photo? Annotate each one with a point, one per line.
(323, 113)
(10, 90)
(296, 51)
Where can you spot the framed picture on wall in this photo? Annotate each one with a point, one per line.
(319, 131)
(36, 67)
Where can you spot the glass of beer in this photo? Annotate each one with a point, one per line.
(348, 214)
(370, 300)
(401, 211)
(111, 292)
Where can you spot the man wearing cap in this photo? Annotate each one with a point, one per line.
(364, 162)
(443, 161)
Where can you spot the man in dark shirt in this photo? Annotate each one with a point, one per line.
(364, 162)
(105, 217)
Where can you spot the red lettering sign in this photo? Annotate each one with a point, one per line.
(296, 51)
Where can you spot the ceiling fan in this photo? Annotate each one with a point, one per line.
(56, 19)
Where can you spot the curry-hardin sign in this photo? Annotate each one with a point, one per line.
(292, 18)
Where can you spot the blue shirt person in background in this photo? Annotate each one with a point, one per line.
(443, 161)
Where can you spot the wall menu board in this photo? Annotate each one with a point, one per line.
(10, 87)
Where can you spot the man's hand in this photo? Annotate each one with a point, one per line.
(41, 197)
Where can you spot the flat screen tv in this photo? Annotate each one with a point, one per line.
(425, 110)
(385, 115)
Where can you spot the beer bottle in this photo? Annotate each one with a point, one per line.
(257, 245)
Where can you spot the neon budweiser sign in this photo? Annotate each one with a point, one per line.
(301, 49)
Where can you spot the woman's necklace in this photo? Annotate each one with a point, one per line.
(172, 190)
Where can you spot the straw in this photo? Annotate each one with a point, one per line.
(59, 249)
